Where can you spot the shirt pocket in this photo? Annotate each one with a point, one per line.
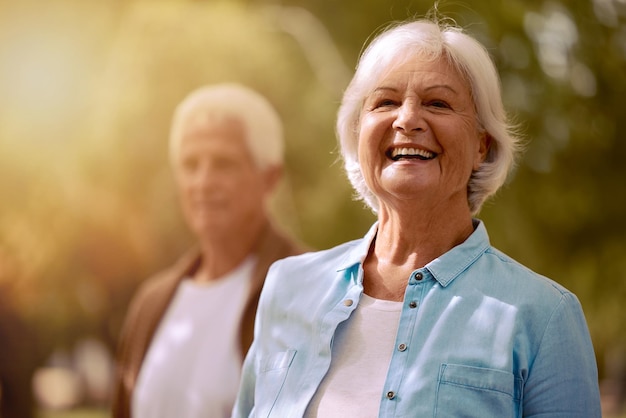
(467, 391)
(270, 381)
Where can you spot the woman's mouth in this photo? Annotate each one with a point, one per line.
(397, 154)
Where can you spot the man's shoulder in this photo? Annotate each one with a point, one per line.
(165, 280)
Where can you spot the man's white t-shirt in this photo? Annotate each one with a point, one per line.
(193, 365)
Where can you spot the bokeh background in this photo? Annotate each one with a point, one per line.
(87, 204)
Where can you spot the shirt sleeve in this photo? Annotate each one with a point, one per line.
(563, 379)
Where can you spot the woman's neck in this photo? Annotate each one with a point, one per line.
(417, 242)
(406, 243)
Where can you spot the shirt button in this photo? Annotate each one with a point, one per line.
(413, 304)
(391, 394)
(419, 276)
(402, 347)
(348, 302)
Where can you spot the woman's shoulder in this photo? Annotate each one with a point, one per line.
(335, 256)
(315, 275)
(523, 276)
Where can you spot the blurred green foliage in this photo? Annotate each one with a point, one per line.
(88, 208)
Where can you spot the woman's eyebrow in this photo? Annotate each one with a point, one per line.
(441, 86)
(427, 88)
(384, 88)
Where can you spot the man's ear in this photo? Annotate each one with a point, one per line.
(272, 176)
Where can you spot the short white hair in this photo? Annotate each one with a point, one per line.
(427, 39)
(262, 125)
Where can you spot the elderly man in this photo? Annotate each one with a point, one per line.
(189, 327)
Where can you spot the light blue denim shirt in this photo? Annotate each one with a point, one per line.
(479, 335)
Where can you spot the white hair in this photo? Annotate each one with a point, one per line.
(426, 39)
(262, 125)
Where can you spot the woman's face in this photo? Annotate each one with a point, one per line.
(419, 139)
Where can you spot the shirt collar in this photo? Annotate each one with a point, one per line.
(449, 265)
(359, 249)
(444, 268)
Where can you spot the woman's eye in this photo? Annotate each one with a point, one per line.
(384, 103)
(439, 104)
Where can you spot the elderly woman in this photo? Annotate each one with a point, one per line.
(422, 317)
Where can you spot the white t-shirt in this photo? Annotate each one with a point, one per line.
(361, 353)
(193, 365)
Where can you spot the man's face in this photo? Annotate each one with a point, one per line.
(220, 185)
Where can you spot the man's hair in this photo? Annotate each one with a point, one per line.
(262, 125)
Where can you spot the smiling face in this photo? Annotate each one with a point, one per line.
(221, 188)
(419, 139)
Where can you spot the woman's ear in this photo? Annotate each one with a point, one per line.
(484, 145)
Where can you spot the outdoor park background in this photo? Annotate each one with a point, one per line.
(87, 205)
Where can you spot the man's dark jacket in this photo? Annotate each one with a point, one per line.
(154, 296)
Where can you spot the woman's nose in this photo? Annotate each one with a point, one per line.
(409, 118)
